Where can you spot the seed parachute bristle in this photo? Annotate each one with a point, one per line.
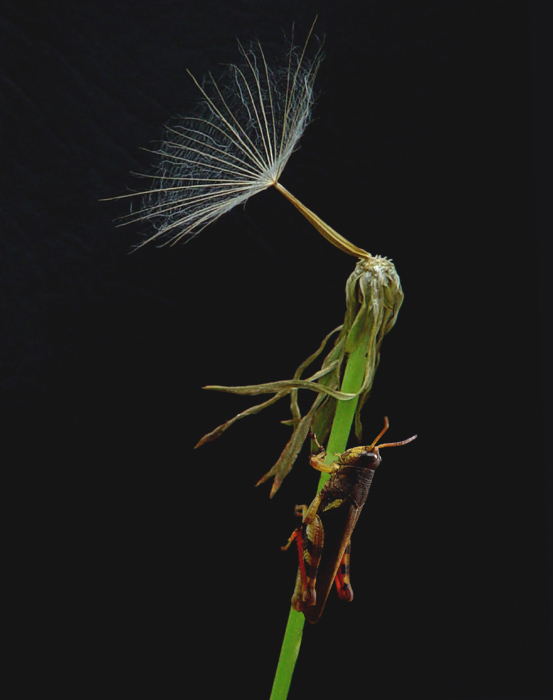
(246, 127)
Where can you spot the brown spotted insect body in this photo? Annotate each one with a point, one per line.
(324, 543)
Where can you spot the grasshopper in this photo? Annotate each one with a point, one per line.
(324, 550)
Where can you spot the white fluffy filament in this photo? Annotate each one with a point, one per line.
(237, 144)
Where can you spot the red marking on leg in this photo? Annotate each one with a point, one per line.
(342, 580)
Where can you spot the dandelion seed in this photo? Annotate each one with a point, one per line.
(247, 125)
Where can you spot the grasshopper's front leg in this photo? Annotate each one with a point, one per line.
(317, 461)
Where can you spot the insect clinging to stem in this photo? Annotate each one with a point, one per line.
(324, 536)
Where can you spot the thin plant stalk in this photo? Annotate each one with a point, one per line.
(288, 655)
(354, 376)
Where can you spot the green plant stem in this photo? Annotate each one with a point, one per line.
(288, 655)
(354, 376)
(352, 382)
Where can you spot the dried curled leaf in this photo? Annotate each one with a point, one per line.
(373, 299)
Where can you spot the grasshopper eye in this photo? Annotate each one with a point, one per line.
(368, 459)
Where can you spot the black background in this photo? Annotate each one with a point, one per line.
(145, 568)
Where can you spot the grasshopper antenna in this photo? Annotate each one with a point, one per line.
(389, 444)
(381, 433)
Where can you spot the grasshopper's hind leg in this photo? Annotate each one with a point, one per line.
(342, 579)
(310, 539)
(301, 582)
(313, 541)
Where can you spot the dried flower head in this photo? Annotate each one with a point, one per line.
(373, 299)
